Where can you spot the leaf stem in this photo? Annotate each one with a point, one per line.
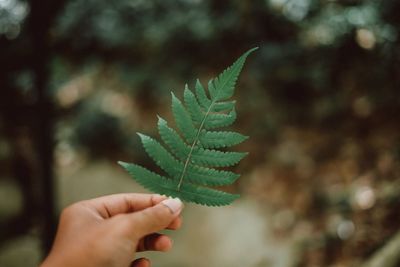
(196, 139)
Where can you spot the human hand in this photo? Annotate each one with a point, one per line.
(108, 231)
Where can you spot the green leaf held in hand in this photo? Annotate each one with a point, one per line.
(191, 155)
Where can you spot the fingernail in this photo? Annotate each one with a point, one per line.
(174, 204)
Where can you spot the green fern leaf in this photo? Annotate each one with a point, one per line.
(200, 156)
(190, 158)
(182, 119)
(173, 167)
(188, 192)
(201, 95)
(172, 139)
(209, 139)
(196, 174)
(219, 120)
(222, 88)
(222, 106)
(193, 106)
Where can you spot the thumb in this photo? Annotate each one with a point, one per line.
(155, 218)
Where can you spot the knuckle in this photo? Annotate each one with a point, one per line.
(72, 210)
(68, 211)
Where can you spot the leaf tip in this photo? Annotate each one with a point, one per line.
(142, 136)
(122, 164)
(248, 52)
(175, 100)
(160, 120)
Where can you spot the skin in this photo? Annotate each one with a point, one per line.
(108, 231)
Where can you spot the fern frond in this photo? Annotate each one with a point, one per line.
(219, 120)
(222, 106)
(188, 192)
(223, 86)
(161, 156)
(210, 177)
(200, 156)
(182, 119)
(196, 174)
(191, 157)
(210, 139)
(201, 95)
(172, 139)
(196, 113)
(212, 90)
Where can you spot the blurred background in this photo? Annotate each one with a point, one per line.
(320, 100)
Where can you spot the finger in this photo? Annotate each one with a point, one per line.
(142, 262)
(153, 219)
(155, 242)
(109, 206)
(175, 224)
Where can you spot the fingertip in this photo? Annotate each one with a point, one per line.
(155, 242)
(141, 262)
(163, 243)
(175, 224)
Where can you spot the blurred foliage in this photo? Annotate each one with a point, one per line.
(93, 128)
(311, 65)
(320, 99)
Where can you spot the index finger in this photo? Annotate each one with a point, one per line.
(111, 205)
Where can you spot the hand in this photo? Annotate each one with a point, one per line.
(107, 231)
